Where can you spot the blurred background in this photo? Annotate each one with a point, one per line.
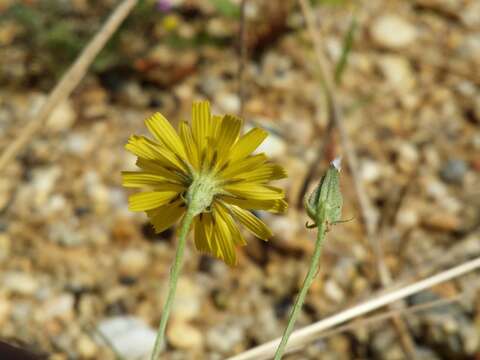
(81, 276)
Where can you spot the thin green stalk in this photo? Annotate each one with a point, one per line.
(312, 271)
(174, 272)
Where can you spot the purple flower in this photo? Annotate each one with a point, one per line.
(164, 5)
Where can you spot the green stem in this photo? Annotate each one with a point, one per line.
(312, 271)
(174, 272)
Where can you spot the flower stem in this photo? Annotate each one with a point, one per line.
(174, 272)
(312, 271)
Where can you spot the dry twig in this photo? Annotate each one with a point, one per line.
(311, 332)
(387, 315)
(242, 55)
(69, 81)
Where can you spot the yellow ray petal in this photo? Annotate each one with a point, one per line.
(201, 124)
(264, 173)
(189, 144)
(254, 191)
(252, 223)
(136, 179)
(203, 232)
(247, 144)
(216, 121)
(222, 244)
(147, 149)
(165, 134)
(276, 206)
(233, 168)
(154, 167)
(167, 215)
(150, 200)
(228, 134)
(224, 212)
(139, 146)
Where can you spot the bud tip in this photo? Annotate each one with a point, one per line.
(337, 162)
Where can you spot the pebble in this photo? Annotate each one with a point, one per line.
(59, 307)
(66, 233)
(229, 103)
(442, 221)
(129, 335)
(407, 218)
(132, 262)
(398, 72)
(188, 299)
(224, 337)
(453, 171)
(86, 347)
(273, 146)
(370, 171)
(43, 183)
(62, 118)
(182, 335)
(20, 283)
(79, 143)
(333, 291)
(393, 32)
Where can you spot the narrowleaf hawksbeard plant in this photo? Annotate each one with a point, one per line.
(206, 175)
(209, 171)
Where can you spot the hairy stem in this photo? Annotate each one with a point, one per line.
(312, 271)
(174, 272)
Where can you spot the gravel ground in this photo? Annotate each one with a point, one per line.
(80, 274)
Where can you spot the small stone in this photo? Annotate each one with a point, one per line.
(133, 94)
(62, 118)
(43, 182)
(98, 192)
(20, 283)
(224, 337)
(65, 233)
(407, 218)
(86, 347)
(129, 335)
(79, 144)
(442, 221)
(453, 171)
(333, 291)
(182, 335)
(285, 228)
(59, 307)
(344, 272)
(188, 299)
(132, 262)
(228, 102)
(398, 72)
(393, 32)
(471, 340)
(370, 171)
(273, 146)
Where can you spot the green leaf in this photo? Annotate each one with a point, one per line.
(227, 8)
(347, 47)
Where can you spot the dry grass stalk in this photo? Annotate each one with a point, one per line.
(313, 331)
(69, 81)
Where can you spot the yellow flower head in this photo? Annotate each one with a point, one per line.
(207, 169)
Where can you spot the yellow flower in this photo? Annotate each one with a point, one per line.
(207, 169)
